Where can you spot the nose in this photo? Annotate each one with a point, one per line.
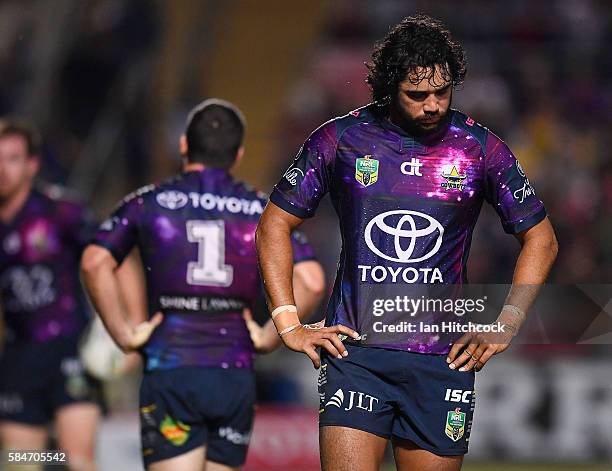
(431, 104)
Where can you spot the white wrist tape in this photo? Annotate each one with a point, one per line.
(286, 307)
(517, 317)
(291, 328)
(514, 310)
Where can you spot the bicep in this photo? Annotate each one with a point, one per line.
(542, 231)
(274, 216)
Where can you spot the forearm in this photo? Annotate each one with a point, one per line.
(132, 286)
(533, 265)
(275, 261)
(308, 291)
(535, 260)
(103, 289)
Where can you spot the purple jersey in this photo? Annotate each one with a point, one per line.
(196, 235)
(39, 268)
(407, 207)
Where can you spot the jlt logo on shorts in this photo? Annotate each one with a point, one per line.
(356, 399)
(458, 395)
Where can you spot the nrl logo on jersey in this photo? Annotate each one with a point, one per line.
(455, 424)
(366, 170)
(454, 180)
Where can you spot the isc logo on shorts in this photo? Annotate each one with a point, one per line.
(458, 395)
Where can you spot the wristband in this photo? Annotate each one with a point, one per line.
(285, 307)
(291, 328)
(517, 318)
(514, 310)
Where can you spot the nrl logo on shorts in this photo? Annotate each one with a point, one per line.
(454, 180)
(366, 170)
(455, 424)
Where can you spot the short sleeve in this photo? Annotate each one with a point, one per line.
(509, 190)
(302, 250)
(119, 232)
(308, 178)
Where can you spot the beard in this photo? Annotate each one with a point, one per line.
(424, 125)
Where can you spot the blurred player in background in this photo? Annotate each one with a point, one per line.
(407, 176)
(42, 380)
(196, 235)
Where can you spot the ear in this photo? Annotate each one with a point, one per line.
(183, 148)
(239, 156)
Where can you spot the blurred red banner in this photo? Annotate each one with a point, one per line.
(284, 438)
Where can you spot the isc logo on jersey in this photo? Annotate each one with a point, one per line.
(415, 237)
(173, 200)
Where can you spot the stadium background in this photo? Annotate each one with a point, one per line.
(110, 82)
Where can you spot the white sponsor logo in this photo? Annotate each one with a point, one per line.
(526, 190)
(458, 395)
(235, 437)
(357, 400)
(176, 200)
(336, 400)
(12, 243)
(171, 199)
(412, 167)
(292, 175)
(380, 274)
(413, 219)
(11, 404)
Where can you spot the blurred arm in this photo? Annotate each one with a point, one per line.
(132, 286)
(275, 252)
(98, 268)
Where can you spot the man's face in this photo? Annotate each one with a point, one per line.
(422, 106)
(17, 168)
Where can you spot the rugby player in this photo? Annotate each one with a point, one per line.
(196, 236)
(42, 236)
(407, 176)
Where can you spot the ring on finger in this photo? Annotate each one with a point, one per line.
(468, 353)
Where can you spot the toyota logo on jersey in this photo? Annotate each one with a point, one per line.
(406, 228)
(172, 199)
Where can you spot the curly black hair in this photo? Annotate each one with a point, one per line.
(417, 44)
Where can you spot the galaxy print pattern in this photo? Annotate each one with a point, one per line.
(40, 250)
(406, 206)
(196, 235)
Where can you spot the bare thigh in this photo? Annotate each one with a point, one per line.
(212, 466)
(349, 449)
(17, 436)
(408, 457)
(193, 460)
(76, 426)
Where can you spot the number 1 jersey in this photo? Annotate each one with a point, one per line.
(196, 235)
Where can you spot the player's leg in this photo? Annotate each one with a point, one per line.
(408, 457)
(432, 429)
(16, 436)
(212, 466)
(190, 461)
(173, 434)
(231, 411)
(75, 427)
(348, 449)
